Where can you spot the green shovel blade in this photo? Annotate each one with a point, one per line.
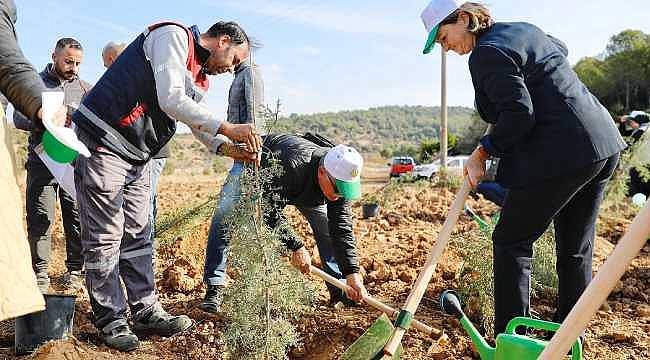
(370, 345)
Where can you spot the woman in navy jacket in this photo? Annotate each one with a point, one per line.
(558, 147)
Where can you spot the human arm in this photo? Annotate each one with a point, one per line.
(22, 122)
(19, 81)
(339, 218)
(167, 50)
(497, 76)
(300, 257)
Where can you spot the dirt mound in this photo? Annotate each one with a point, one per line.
(392, 248)
(69, 350)
(181, 276)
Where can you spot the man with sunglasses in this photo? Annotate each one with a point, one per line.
(320, 181)
(128, 116)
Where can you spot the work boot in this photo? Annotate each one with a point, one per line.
(213, 299)
(73, 280)
(160, 322)
(43, 282)
(122, 339)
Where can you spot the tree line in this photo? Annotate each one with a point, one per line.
(620, 76)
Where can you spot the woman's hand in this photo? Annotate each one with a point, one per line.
(475, 166)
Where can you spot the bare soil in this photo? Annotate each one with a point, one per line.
(392, 249)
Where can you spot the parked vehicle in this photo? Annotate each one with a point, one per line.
(455, 165)
(401, 165)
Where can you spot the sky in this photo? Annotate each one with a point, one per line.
(321, 56)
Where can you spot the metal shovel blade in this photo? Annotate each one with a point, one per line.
(370, 345)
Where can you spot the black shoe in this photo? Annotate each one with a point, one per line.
(213, 299)
(160, 322)
(122, 339)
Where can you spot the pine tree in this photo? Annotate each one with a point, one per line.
(267, 292)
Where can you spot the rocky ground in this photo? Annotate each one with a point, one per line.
(393, 247)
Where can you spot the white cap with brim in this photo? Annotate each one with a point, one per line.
(344, 164)
(60, 143)
(432, 16)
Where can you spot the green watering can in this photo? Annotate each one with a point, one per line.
(510, 345)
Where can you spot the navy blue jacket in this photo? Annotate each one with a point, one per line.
(547, 123)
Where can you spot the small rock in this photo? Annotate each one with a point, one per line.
(643, 311)
(605, 306)
(407, 276)
(620, 336)
(339, 306)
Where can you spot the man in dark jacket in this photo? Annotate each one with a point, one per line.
(319, 181)
(42, 187)
(22, 86)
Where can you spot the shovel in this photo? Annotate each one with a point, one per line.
(372, 341)
(405, 318)
(391, 312)
(596, 293)
(382, 335)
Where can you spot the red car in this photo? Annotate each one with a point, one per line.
(401, 165)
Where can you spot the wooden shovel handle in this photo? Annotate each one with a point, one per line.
(391, 312)
(598, 290)
(430, 267)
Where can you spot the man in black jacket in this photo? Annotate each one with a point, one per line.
(62, 74)
(318, 180)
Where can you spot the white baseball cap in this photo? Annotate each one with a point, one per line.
(432, 16)
(344, 164)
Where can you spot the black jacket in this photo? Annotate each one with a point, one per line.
(298, 185)
(547, 122)
(74, 90)
(19, 82)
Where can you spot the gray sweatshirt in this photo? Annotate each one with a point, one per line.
(246, 97)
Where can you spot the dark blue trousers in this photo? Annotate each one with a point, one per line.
(571, 202)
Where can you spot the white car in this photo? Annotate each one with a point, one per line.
(455, 165)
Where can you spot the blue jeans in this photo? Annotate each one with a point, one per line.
(216, 255)
(156, 167)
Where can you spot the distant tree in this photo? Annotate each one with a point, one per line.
(593, 73)
(429, 149)
(469, 137)
(621, 80)
(386, 152)
(627, 40)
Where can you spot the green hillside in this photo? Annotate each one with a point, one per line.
(376, 128)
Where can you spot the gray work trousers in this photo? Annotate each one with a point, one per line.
(113, 200)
